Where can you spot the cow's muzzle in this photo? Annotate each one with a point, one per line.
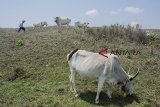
(129, 95)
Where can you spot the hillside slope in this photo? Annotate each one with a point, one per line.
(34, 70)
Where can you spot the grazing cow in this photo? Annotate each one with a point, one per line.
(135, 25)
(41, 24)
(93, 65)
(81, 25)
(44, 23)
(62, 21)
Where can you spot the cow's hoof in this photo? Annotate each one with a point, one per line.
(76, 95)
(97, 101)
(108, 95)
(71, 90)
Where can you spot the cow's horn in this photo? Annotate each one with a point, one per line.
(134, 76)
(129, 69)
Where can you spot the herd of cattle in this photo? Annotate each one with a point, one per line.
(60, 21)
(63, 21)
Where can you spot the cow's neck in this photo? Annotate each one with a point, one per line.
(123, 80)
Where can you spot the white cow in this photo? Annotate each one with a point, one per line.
(135, 25)
(41, 24)
(93, 65)
(44, 23)
(62, 21)
(81, 24)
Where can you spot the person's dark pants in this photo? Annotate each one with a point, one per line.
(22, 29)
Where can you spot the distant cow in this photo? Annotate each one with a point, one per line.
(135, 25)
(93, 65)
(81, 25)
(41, 24)
(62, 21)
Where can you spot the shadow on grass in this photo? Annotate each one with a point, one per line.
(104, 100)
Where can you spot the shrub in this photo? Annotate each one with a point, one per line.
(117, 30)
(91, 31)
(18, 72)
(19, 42)
(151, 36)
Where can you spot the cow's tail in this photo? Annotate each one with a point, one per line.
(69, 56)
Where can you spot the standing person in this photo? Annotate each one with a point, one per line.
(21, 26)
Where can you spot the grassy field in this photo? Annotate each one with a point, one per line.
(34, 71)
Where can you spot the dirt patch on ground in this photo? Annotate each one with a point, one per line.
(18, 73)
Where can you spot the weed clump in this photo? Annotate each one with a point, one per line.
(128, 33)
(151, 35)
(17, 73)
(19, 42)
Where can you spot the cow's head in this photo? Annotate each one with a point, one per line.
(128, 84)
(56, 19)
(86, 23)
(46, 24)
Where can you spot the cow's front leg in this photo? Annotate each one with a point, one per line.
(108, 92)
(100, 85)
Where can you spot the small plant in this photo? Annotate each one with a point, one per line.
(18, 72)
(91, 31)
(151, 36)
(19, 42)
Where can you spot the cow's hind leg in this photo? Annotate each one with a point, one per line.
(68, 27)
(71, 85)
(72, 82)
(100, 85)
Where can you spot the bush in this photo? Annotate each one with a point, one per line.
(18, 72)
(151, 36)
(128, 33)
(19, 42)
(91, 31)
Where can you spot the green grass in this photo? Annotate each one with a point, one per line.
(44, 80)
